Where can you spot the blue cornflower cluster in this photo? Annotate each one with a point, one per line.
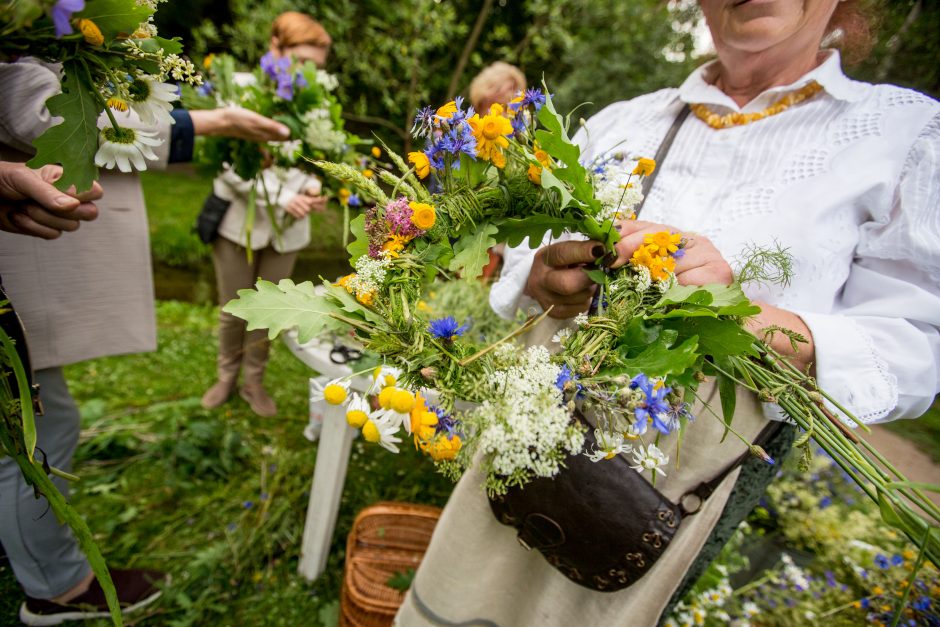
(654, 407)
(567, 381)
(448, 133)
(446, 423)
(447, 328)
(279, 71)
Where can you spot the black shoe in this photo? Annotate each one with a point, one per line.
(135, 589)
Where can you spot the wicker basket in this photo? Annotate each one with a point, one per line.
(386, 538)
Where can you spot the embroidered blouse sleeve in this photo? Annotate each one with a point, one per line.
(878, 352)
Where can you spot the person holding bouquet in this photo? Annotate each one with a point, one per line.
(778, 147)
(250, 248)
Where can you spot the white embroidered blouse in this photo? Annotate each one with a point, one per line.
(848, 181)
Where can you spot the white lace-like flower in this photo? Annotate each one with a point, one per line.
(327, 80)
(288, 150)
(152, 101)
(649, 458)
(608, 445)
(581, 319)
(643, 278)
(125, 148)
(382, 432)
(335, 392)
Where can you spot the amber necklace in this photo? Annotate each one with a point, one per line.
(739, 119)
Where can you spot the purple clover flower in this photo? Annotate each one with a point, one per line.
(447, 328)
(398, 218)
(62, 15)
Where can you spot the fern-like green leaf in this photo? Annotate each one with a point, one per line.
(470, 251)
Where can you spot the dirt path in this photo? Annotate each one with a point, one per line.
(905, 456)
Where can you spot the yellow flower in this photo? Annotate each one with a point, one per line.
(394, 245)
(356, 418)
(499, 159)
(424, 307)
(535, 173)
(376, 152)
(403, 401)
(366, 298)
(385, 397)
(91, 32)
(447, 110)
(663, 242)
(491, 132)
(370, 432)
(644, 166)
(207, 60)
(543, 157)
(642, 256)
(344, 195)
(421, 163)
(442, 447)
(334, 394)
(344, 282)
(423, 215)
(368, 173)
(117, 104)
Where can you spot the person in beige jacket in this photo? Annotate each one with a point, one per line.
(86, 295)
(293, 194)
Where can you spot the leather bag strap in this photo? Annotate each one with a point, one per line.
(661, 154)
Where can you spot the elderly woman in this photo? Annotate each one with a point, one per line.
(780, 147)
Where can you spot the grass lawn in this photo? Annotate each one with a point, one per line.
(216, 498)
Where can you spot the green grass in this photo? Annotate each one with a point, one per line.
(174, 198)
(216, 498)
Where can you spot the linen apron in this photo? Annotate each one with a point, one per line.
(475, 572)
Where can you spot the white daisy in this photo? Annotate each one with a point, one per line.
(383, 377)
(151, 100)
(124, 148)
(381, 432)
(650, 458)
(608, 445)
(335, 392)
(561, 336)
(750, 609)
(358, 411)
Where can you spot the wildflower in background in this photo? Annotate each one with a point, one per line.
(376, 152)
(535, 173)
(125, 147)
(152, 101)
(881, 561)
(273, 66)
(368, 173)
(207, 60)
(447, 328)
(649, 458)
(62, 15)
(343, 195)
(423, 122)
(423, 215)
(644, 166)
(421, 163)
(90, 32)
(354, 200)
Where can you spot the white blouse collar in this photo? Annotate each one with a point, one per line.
(698, 88)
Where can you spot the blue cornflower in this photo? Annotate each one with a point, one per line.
(896, 560)
(423, 122)
(825, 502)
(881, 561)
(922, 604)
(459, 115)
(354, 200)
(534, 98)
(248, 504)
(678, 411)
(62, 15)
(655, 405)
(300, 80)
(445, 422)
(864, 603)
(435, 156)
(205, 89)
(459, 140)
(830, 579)
(679, 254)
(518, 125)
(446, 328)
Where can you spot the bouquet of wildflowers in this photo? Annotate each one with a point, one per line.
(634, 363)
(112, 60)
(296, 94)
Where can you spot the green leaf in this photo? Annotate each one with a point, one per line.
(658, 360)
(115, 17)
(350, 304)
(728, 395)
(514, 230)
(284, 306)
(914, 485)
(360, 244)
(705, 300)
(74, 142)
(719, 338)
(470, 251)
(596, 275)
(552, 182)
(23, 392)
(170, 46)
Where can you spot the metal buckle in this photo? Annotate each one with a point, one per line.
(696, 504)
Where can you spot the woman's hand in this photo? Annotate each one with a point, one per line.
(302, 204)
(238, 123)
(701, 263)
(31, 205)
(558, 279)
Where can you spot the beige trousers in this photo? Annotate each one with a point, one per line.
(476, 573)
(240, 349)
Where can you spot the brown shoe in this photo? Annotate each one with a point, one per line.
(135, 589)
(258, 399)
(218, 394)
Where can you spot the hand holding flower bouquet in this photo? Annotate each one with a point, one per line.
(112, 60)
(634, 363)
